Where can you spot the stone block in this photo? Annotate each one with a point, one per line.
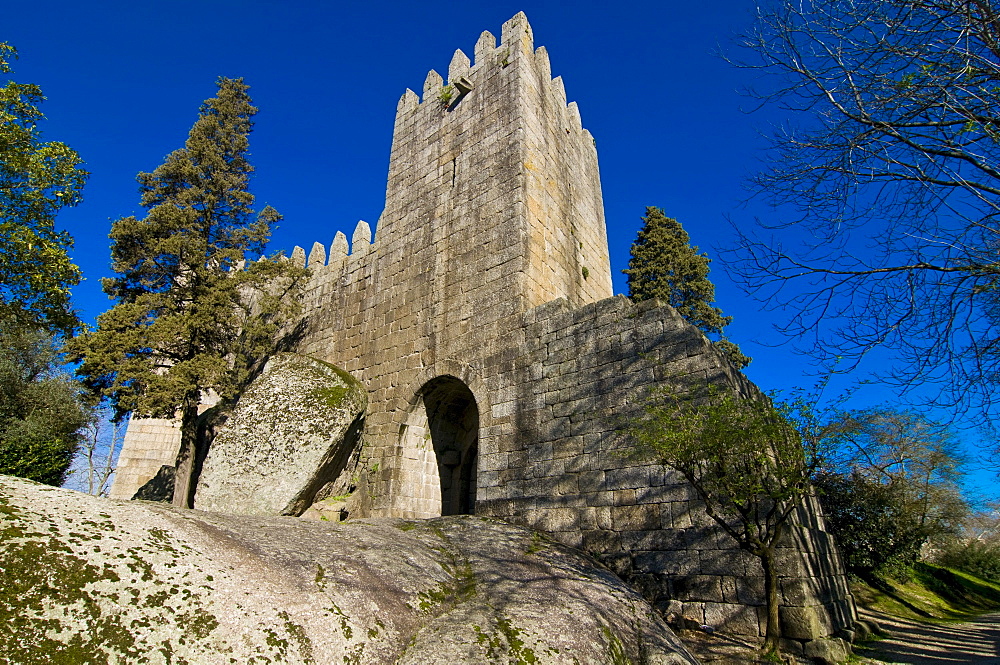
(635, 518)
(556, 519)
(664, 540)
(679, 563)
(732, 619)
(831, 651)
(799, 591)
(793, 647)
(624, 497)
(732, 562)
(592, 481)
(750, 590)
(602, 542)
(653, 587)
(801, 623)
(705, 588)
(627, 478)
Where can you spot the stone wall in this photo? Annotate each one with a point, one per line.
(569, 469)
(149, 444)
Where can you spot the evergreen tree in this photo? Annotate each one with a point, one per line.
(41, 407)
(664, 265)
(37, 179)
(190, 318)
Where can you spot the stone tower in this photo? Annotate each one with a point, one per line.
(493, 207)
(500, 371)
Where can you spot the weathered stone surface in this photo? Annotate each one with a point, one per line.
(95, 580)
(830, 651)
(801, 623)
(863, 630)
(291, 432)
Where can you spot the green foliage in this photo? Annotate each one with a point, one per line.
(741, 454)
(665, 265)
(933, 593)
(890, 485)
(190, 316)
(869, 520)
(976, 548)
(976, 557)
(41, 409)
(37, 179)
(749, 461)
(446, 94)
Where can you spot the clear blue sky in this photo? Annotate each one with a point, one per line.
(124, 81)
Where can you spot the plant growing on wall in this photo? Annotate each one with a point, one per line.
(190, 317)
(446, 95)
(749, 462)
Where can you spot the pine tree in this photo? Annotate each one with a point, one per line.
(664, 265)
(190, 317)
(37, 179)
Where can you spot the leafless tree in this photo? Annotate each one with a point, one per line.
(96, 460)
(886, 182)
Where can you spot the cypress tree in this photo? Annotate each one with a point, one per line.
(665, 265)
(189, 316)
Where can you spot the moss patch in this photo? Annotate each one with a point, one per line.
(84, 591)
(505, 643)
(332, 397)
(40, 571)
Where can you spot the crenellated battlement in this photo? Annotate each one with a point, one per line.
(516, 47)
(361, 244)
(496, 157)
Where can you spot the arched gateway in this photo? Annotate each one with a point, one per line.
(440, 444)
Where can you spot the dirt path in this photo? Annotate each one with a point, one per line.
(973, 643)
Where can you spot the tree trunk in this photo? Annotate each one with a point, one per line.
(184, 474)
(773, 631)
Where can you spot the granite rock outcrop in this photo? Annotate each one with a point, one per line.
(87, 579)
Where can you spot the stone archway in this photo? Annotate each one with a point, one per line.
(453, 420)
(440, 442)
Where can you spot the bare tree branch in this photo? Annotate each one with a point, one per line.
(886, 232)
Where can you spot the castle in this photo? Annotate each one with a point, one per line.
(499, 367)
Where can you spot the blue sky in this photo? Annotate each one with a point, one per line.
(124, 81)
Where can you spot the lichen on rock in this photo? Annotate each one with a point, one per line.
(292, 431)
(90, 580)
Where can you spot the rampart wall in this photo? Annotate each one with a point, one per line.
(570, 470)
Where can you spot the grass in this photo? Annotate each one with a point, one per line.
(933, 594)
